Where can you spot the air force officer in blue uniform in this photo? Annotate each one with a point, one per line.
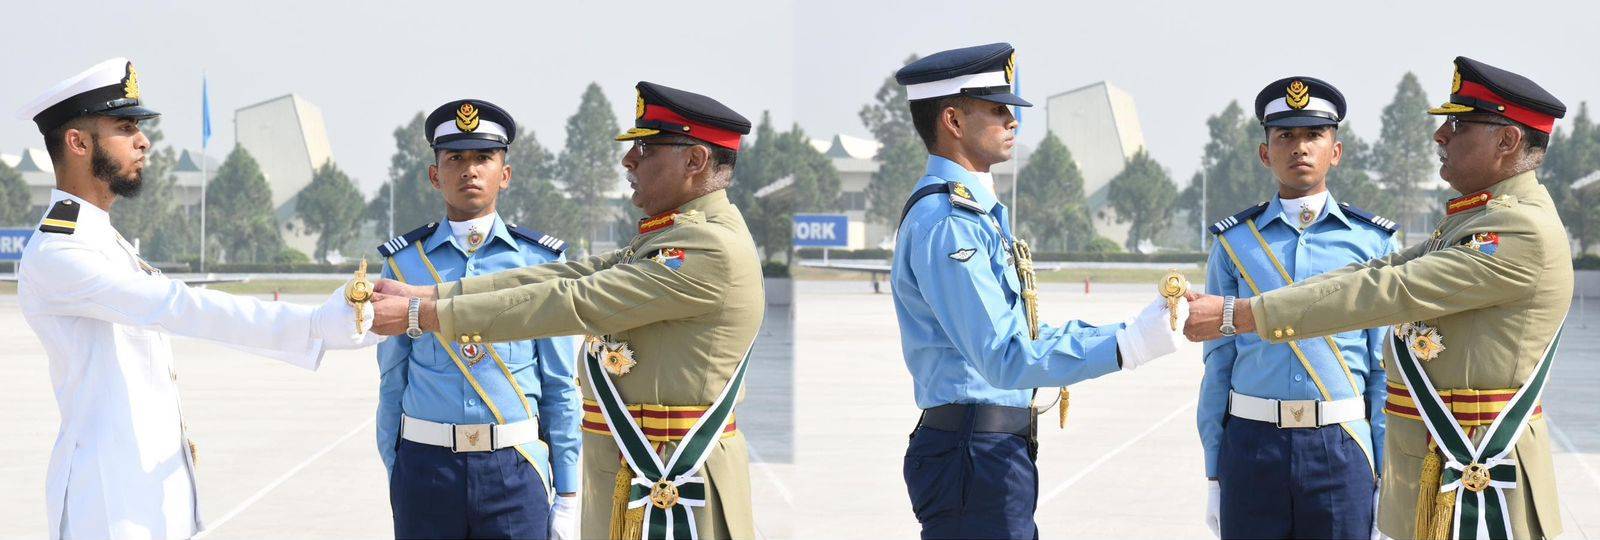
(476, 435)
(974, 355)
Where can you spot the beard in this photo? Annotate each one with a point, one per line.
(122, 185)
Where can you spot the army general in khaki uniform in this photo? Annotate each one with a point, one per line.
(1476, 308)
(672, 318)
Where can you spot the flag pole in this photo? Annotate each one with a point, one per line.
(205, 168)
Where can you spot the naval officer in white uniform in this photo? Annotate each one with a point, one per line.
(122, 465)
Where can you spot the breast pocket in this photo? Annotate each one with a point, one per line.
(517, 353)
(426, 351)
(1007, 271)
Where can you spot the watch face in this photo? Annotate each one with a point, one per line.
(413, 333)
(1227, 329)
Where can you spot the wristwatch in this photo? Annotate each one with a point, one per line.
(414, 310)
(1227, 316)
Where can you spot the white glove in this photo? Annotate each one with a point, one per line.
(1375, 534)
(334, 321)
(564, 518)
(1149, 335)
(1214, 507)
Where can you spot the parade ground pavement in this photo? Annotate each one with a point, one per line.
(288, 453)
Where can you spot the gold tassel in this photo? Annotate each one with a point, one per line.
(1428, 489)
(1066, 399)
(1443, 515)
(625, 522)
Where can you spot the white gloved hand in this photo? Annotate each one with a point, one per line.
(1375, 534)
(1214, 507)
(564, 518)
(1149, 335)
(334, 321)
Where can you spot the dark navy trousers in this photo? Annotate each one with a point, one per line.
(437, 493)
(972, 485)
(1293, 483)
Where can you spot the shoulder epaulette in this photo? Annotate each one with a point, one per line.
(1245, 215)
(551, 243)
(394, 245)
(62, 217)
(1368, 217)
(961, 197)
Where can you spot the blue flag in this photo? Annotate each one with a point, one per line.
(205, 113)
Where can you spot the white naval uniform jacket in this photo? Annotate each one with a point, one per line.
(119, 467)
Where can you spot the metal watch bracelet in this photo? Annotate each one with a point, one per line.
(413, 312)
(1228, 329)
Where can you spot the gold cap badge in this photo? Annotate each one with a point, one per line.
(1011, 67)
(1455, 82)
(638, 106)
(1298, 95)
(130, 85)
(467, 117)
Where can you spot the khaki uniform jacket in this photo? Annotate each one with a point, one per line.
(1495, 312)
(689, 328)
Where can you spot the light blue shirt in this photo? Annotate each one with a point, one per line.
(420, 379)
(1249, 365)
(963, 329)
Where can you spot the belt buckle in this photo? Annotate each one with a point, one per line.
(472, 438)
(1293, 414)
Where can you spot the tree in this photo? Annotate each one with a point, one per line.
(1230, 168)
(1142, 194)
(771, 157)
(1574, 154)
(903, 157)
(415, 202)
(1050, 201)
(1404, 155)
(533, 200)
(14, 203)
(1352, 180)
(330, 207)
(239, 213)
(156, 218)
(588, 163)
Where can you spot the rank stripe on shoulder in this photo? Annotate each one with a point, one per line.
(1369, 218)
(394, 245)
(62, 217)
(555, 245)
(1228, 222)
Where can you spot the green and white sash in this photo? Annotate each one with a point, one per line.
(667, 492)
(1479, 474)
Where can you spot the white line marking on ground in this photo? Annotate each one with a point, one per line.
(783, 490)
(281, 479)
(1062, 488)
(1566, 444)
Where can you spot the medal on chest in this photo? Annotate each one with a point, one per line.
(614, 355)
(1424, 341)
(474, 239)
(474, 352)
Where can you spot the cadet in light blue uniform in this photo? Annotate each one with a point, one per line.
(1293, 432)
(475, 434)
(964, 325)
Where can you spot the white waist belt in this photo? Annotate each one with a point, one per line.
(469, 437)
(1308, 413)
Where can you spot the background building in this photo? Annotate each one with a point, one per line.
(856, 160)
(287, 137)
(1099, 124)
